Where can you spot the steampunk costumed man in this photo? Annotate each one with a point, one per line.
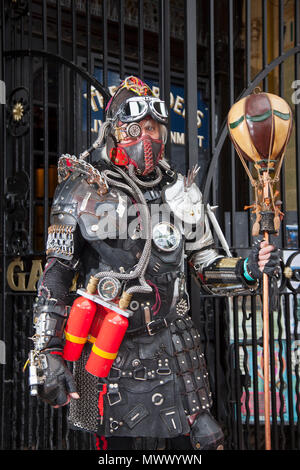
(158, 384)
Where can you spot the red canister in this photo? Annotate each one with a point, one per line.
(106, 346)
(78, 326)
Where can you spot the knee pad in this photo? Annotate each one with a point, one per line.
(206, 433)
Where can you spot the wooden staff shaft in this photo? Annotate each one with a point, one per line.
(266, 339)
(266, 358)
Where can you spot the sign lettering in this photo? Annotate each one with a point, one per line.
(20, 280)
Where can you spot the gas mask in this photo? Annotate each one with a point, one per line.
(132, 146)
(143, 153)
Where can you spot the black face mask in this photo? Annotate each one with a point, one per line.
(144, 153)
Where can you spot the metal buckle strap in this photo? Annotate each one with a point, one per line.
(140, 373)
(113, 394)
(155, 326)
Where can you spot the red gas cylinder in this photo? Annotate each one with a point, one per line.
(106, 346)
(96, 323)
(78, 326)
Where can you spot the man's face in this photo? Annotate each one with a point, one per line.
(143, 151)
(148, 127)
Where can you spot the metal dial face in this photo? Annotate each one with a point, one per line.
(166, 236)
(134, 129)
(109, 288)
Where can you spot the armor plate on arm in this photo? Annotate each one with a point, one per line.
(49, 319)
(217, 274)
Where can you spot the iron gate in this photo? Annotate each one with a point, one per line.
(58, 59)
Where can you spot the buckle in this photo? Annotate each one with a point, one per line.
(112, 375)
(170, 173)
(115, 394)
(149, 328)
(157, 325)
(139, 369)
(163, 371)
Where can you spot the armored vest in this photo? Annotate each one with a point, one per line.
(159, 377)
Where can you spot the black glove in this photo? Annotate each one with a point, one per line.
(59, 381)
(271, 267)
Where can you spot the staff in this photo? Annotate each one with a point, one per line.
(260, 127)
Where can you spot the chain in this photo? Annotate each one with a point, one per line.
(69, 163)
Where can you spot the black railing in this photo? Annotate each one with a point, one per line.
(233, 347)
(58, 58)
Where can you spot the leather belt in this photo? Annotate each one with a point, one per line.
(150, 328)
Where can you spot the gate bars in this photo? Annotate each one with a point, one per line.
(49, 51)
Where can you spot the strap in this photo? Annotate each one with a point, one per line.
(101, 402)
(153, 326)
(150, 328)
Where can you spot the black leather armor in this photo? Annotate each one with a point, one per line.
(159, 376)
(128, 228)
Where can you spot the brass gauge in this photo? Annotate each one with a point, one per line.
(109, 288)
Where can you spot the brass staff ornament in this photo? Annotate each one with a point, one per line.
(260, 127)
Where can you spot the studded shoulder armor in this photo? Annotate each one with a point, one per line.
(78, 204)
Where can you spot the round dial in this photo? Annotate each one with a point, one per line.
(166, 236)
(134, 129)
(108, 288)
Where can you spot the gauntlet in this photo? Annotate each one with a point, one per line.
(251, 263)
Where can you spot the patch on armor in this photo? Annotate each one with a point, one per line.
(60, 240)
(171, 419)
(136, 415)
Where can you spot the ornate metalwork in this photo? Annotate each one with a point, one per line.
(18, 112)
(18, 243)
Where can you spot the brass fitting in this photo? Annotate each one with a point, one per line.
(92, 285)
(125, 300)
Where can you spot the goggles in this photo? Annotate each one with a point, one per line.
(136, 108)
